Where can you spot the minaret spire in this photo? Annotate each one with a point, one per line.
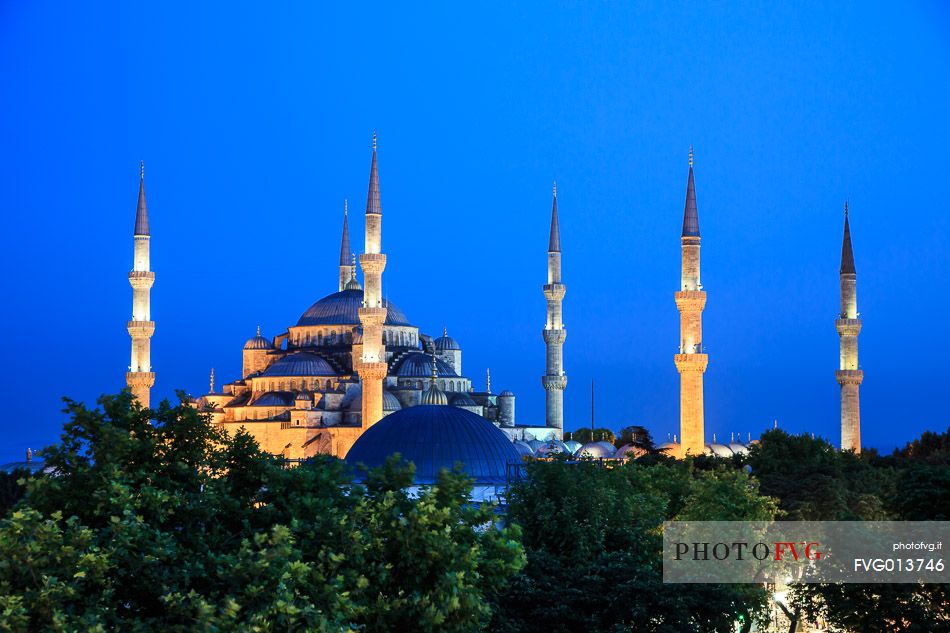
(140, 376)
(848, 325)
(372, 365)
(346, 269)
(691, 361)
(554, 379)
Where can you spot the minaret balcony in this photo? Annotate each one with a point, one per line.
(141, 279)
(554, 383)
(554, 337)
(141, 329)
(691, 362)
(690, 300)
(372, 263)
(554, 292)
(848, 327)
(849, 376)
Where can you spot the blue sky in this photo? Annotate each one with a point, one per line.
(255, 123)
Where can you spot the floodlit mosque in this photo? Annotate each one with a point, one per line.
(354, 378)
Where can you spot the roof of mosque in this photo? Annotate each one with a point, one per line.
(506, 394)
(596, 450)
(552, 447)
(446, 343)
(258, 342)
(419, 364)
(300, 364)
(342, 308)
(274, 399)
(523, 447)
(353, 400)
(463, 400)
(435, 438)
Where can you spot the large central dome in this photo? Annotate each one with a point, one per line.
(342, 308)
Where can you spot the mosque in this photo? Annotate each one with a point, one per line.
(356, 379)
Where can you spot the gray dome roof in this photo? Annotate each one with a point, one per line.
(629, 450)
(446, 343)
(463, 400)
(434, 438)
(506, 394)
(300, 364)
(258, 342)
(353, 400)
(419, 365)
(738, 448)
(535, 444)
(597, 450)
(719, 449)
(524, 448)
(551, 448)
(342, 308)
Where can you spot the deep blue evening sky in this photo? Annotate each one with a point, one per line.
(256, 123)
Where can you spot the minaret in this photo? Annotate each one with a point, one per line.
(372, 367)
(690, 300)
(347, 270)
(554, 379)
(140, 376)
(849, 326)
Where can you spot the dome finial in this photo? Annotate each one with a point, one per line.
(555, 189)
(488, 380)
(212, 381)
(445, 331)
(258, 330)
(142, 169)
(374, 140)
(691, 156)
(845, 208)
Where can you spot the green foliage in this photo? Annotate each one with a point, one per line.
(593, 540)
(930, 447)
(12, 488)
(637, 436)
(155, 520)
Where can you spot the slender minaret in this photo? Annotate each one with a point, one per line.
(690, 300)
(140, 376)
(347, 270)
(372, 366)
(554, 379)
(849, 326)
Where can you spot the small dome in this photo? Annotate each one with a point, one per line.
(524, 448)
(506, 394)
(720, 450)
(552, 448)
(446, 343)
(258, 342)
(353, 284)
(596, 450)
(629, 450)
(463, 400)
(434, 438)
(419, 365)
(535, 444)
(300, 364)
(572, 446)
(738, 448)
(434, 395)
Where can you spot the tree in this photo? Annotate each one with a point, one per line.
(156, 520)
(638, 436)
(593, 543)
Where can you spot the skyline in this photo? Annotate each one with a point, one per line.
(248, 232)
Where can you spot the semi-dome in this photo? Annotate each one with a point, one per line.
(572, 446)
(258, 342)
(463, 400)
(721, 450)
(535, 444)
(342, 308)
(300, 364)
(738, 448)
(419, 365)
(435, 438)
(353, 400)
(274, 399)
(524, 448)
(596, 450)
